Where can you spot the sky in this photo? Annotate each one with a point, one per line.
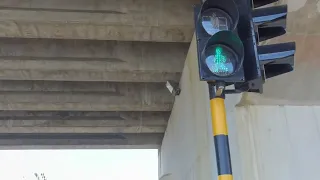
(79, 164)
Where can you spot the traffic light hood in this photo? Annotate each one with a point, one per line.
(259, 3)
(270, 22)
(222, 7)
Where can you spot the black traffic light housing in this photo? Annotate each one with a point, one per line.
(226, 37)
(251, 24)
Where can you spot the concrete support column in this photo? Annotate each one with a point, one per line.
(187, 151)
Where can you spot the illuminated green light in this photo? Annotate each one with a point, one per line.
(220, 61)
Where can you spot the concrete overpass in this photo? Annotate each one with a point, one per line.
(89, 73)
(95, 79)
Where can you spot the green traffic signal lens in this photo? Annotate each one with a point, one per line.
(221, 60)
(214, 20)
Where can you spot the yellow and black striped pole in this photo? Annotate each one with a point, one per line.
(220, 132)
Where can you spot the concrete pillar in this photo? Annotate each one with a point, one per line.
(187, 151)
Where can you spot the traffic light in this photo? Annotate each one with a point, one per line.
(228, 35)
(272, 60)
(220, 50)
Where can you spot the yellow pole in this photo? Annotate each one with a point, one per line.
(220, 135)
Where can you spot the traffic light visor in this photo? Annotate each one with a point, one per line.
(218, 15)
(259, 3)
(214, 20)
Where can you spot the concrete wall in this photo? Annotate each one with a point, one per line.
(279, 142)
(267, 141)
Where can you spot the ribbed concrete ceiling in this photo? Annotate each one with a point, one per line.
(100, 66)
(84, 73)
(125, 20)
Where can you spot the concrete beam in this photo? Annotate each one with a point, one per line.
(84, 96)
(82, 122)
(128, 20)
(72, 129)
(79, 140)
(55, 117)
(83, 60)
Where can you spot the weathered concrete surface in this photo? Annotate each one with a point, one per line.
(82, 122)
(300, 87)
(79, 140)
(89, 67)
(129, 20)
(83, 60)
(105, 117)
(73, 71)
(278, 142)
(98, 96)
(95, 128)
